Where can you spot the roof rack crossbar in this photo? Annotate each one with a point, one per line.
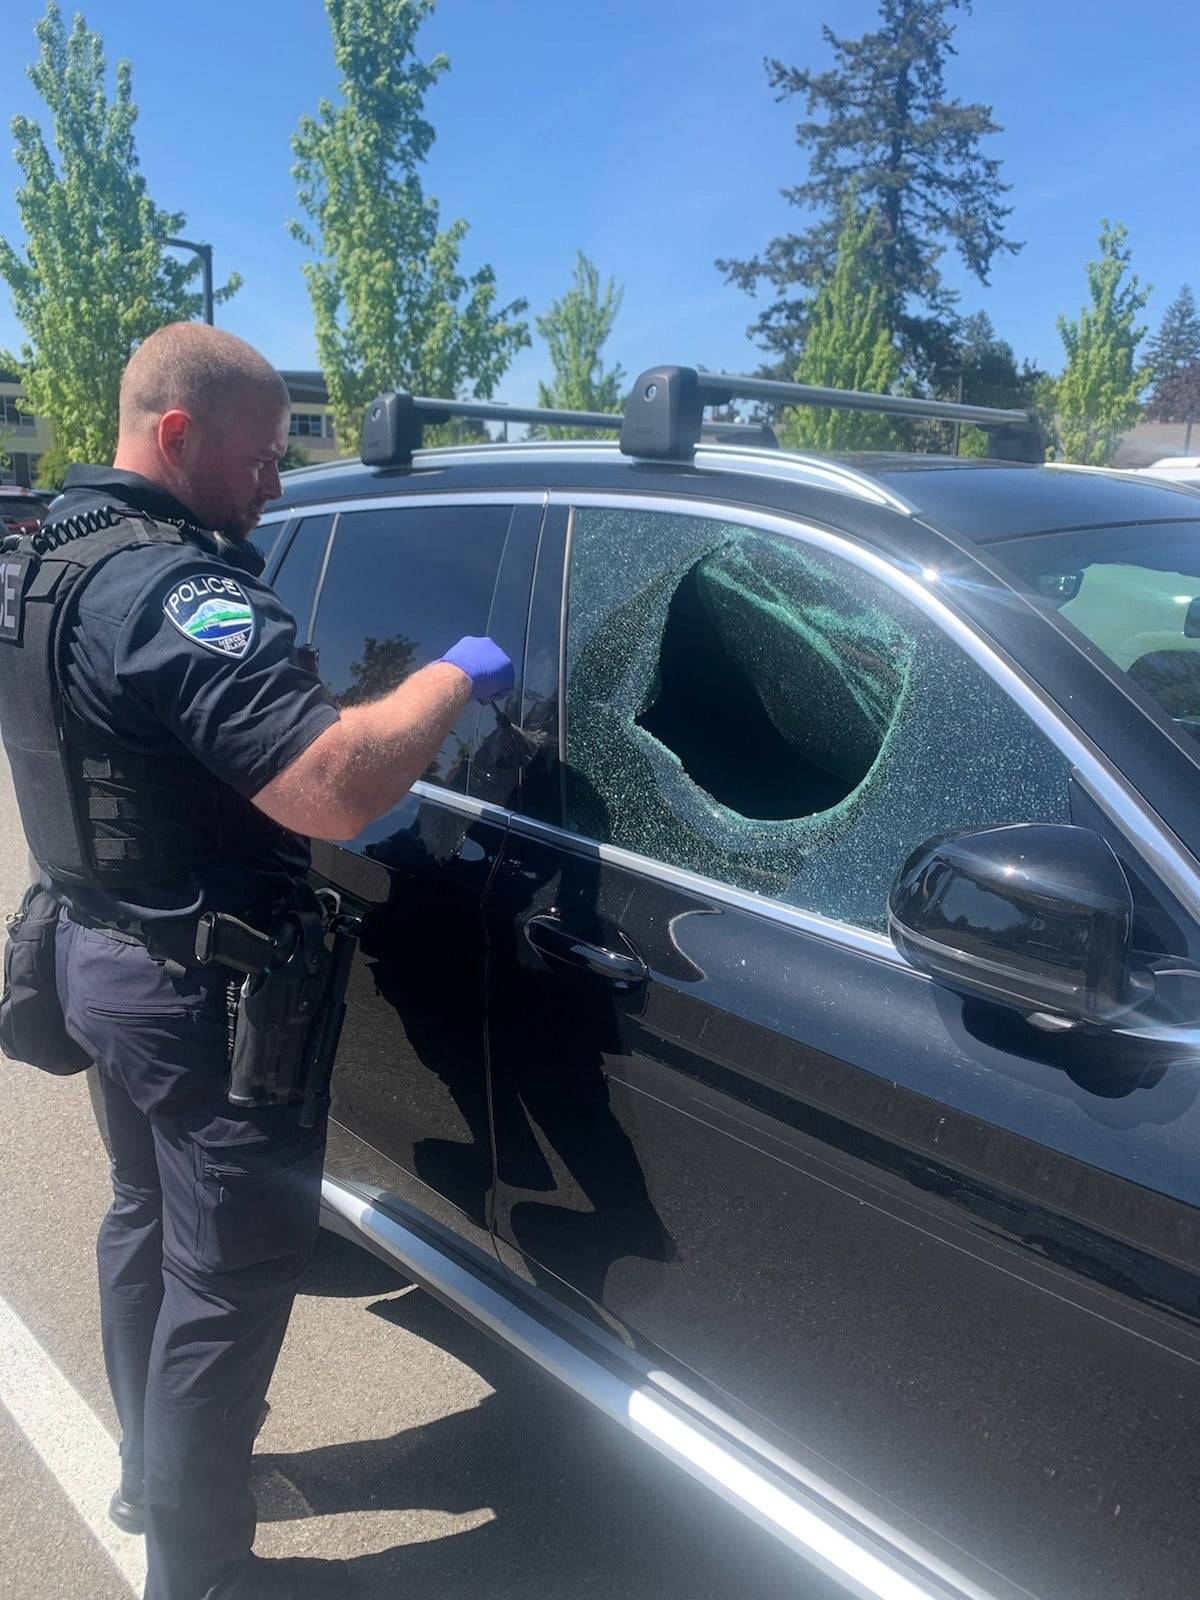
(394, 424)
(663, 416)
(716, 389)
(494, 411)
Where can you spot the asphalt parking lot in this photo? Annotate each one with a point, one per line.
(400, 1439)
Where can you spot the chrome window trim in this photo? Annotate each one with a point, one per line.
(796, 467)
(482, 810)
(1150, 838)
(861, 939)
(415, 498)
(785, 466)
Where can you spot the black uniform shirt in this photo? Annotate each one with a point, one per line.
(187, 642)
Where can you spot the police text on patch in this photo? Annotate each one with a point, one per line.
(211, 610)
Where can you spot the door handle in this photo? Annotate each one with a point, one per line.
(550, 937)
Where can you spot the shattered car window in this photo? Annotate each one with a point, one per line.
(751, 709)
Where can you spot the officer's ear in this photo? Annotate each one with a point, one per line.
(174, 436)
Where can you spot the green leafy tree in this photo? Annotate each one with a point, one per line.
(91, 280)
(880, 121)
(1098, 393)
(849, 346)
(1177, 342)
(576, 329)
(391, 305)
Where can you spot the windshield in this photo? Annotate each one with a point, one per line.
(1135, 592)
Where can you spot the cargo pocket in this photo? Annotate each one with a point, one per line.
(259, 1205)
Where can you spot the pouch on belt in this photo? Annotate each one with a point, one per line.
(32, 1028)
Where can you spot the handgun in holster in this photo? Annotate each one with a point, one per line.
(291, 1004)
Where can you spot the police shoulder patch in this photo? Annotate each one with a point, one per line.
(211, 609)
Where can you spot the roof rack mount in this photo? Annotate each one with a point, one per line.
(663, 418)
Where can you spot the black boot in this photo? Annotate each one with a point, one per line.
(127, 1512)
(126, 1508)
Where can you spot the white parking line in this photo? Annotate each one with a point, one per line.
(69, 1437)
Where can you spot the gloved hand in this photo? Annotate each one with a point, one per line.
(489, 669)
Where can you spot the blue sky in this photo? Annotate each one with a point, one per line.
(643, 132)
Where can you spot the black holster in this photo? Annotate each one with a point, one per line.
(291, 1004)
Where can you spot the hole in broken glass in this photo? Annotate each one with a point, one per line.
(775, 704)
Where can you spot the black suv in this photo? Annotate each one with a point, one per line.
(781, 1025)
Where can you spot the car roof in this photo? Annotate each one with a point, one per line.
(988, 501)
(983, 501)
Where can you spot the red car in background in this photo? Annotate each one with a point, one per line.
(21, 510)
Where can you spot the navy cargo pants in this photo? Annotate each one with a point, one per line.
(213, 1221)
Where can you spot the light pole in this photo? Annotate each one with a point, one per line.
(204, 251)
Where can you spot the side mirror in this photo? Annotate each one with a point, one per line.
(1034, 915)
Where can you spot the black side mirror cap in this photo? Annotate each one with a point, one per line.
(1037, 916)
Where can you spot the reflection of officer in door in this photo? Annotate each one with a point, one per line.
(556, 1131)
(194, 752)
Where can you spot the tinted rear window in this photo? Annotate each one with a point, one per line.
(403, 585)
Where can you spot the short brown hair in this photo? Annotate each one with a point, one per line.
(191, 367)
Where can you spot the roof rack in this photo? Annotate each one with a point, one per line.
(395, 423)
(663, 416)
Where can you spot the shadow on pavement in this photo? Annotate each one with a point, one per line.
(580, 1511)
(341, 1270)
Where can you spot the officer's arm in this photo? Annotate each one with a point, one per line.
(367, 760)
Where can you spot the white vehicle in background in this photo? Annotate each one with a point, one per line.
(1179, 469)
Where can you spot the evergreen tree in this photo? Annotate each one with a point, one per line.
(849, 346)
(576, 329)
(1097, 395)
(1177, 342)
(1177, 399)
(91, 281)
(991, 377)
(391, 306)
(879, 120)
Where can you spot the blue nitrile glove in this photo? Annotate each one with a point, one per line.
(489, 669)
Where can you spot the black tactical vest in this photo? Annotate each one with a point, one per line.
(96, 812)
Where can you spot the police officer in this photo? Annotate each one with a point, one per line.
(191, 753)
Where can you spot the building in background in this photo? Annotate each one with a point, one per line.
(1151, 441)
(24, 437)
(312, 420)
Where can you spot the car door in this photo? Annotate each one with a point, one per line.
(402, 581)
(946, 1261)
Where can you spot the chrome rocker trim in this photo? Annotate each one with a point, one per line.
(868, 1559)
